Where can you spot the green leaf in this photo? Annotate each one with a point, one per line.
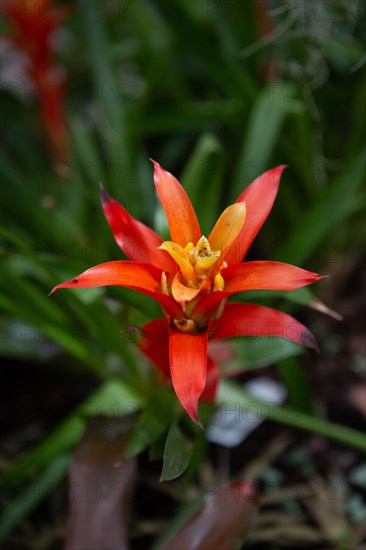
(177, 454)
(196, 116)
(222, 69)
(202, 179)
(303, 296)
(31, 495)
(160, 412)
(331, 209)
(86, 151)
(59, 441)
(112, 114)
(231, 394)
(255, 352)
(113, 398)
(31, 327)
(36, 300)
(266, 119)
(298, 388)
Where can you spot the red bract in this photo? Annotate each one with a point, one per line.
(191, 277)
(32, 23)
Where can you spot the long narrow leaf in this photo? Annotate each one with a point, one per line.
(31, 495)
(231, 394)
(327, 213)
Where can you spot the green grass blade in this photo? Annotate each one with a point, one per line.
(31, 495)
(293, 376)
(265, 122)
(113, 398)
(327, 213)
(232, 394)
(202, 178)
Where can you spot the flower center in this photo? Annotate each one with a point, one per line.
(198, 271)
(200, 268)
(202, 257)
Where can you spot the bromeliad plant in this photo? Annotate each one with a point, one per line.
(31, 26)
(192, 276)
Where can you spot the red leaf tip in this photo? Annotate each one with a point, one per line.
(105, 197)
(308, 340)
(132, 329)
(157, 168)
(67, 284)
(199, 423)
(191, 408)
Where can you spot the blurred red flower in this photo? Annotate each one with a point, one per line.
(32, 23)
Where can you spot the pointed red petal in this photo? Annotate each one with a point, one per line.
(188, 366)
(138, 242)
(182, 220)
(266, 275)
(142, 277)
(253, 320)
(155, 344)
(119, 273)
(261, 275)
(259, 197)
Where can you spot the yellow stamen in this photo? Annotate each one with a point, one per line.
(189, 247)
(203, 247)
(182, 258)
(181, 292)
(219, 282)
(228, 227)
(205, 258)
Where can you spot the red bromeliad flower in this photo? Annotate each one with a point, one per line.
(32, 24)
(191, 277)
